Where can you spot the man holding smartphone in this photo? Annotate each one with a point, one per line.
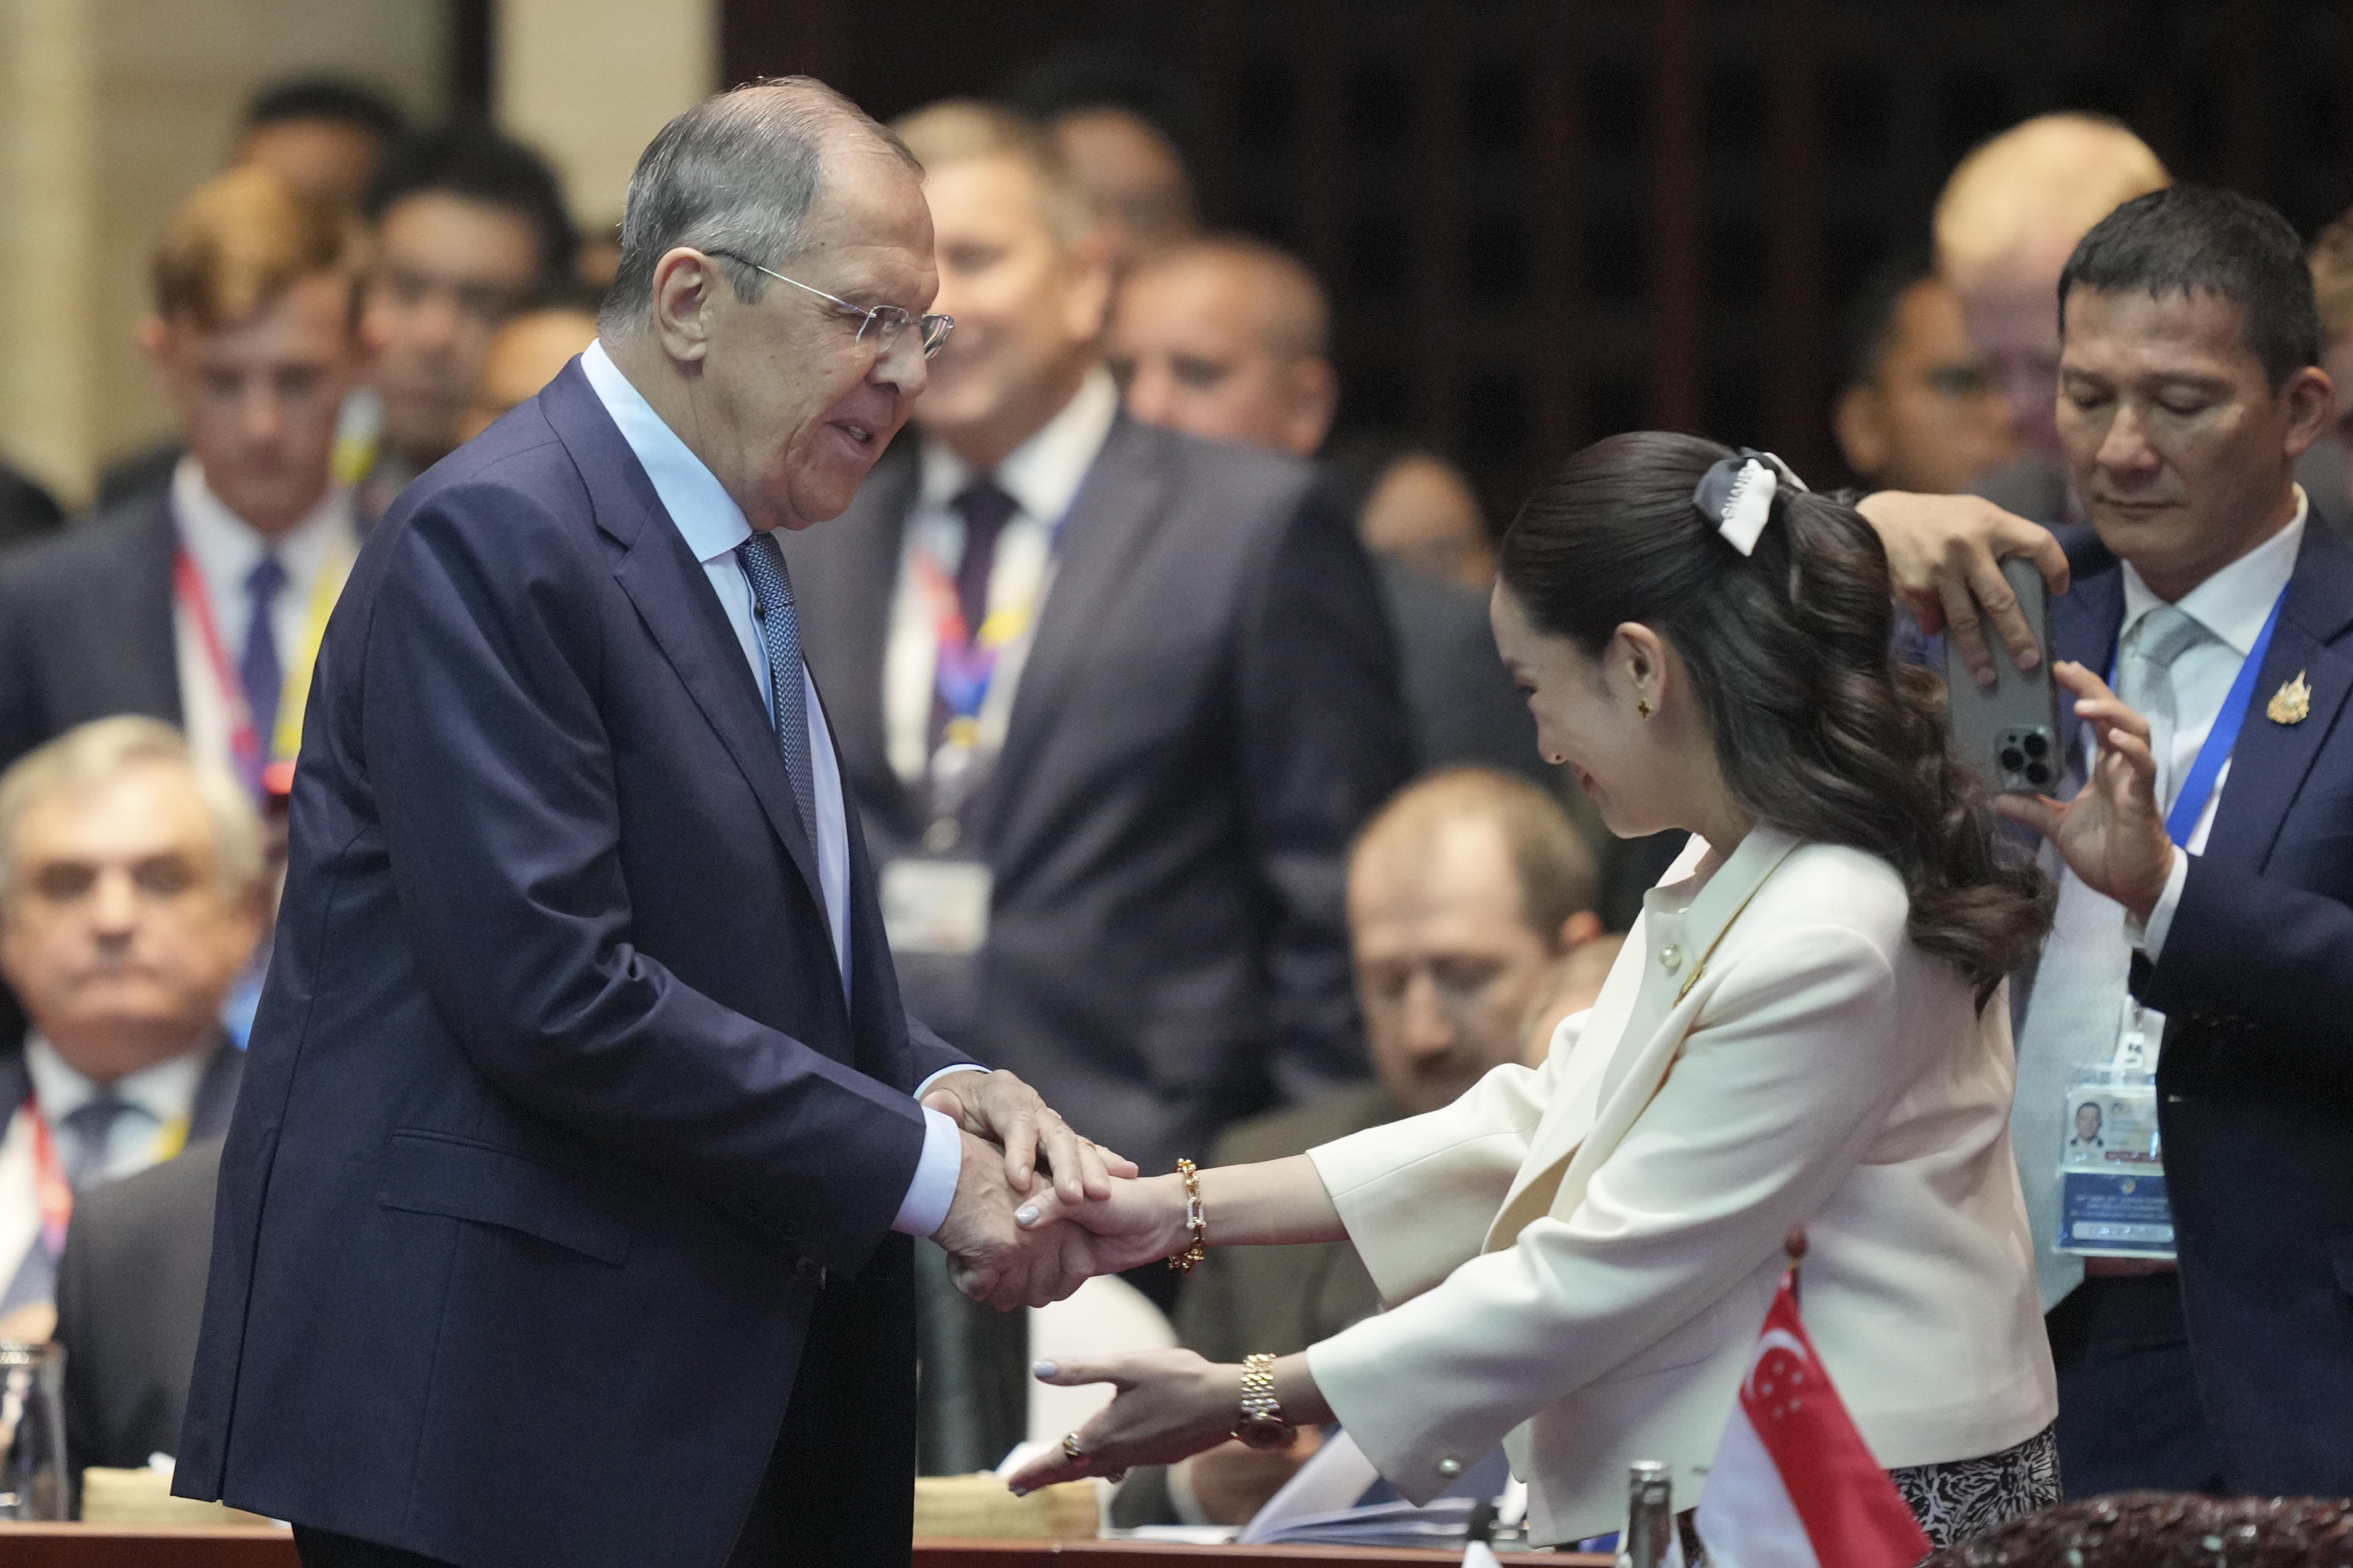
(2206, 883)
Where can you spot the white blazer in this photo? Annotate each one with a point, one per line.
(1578, 1258)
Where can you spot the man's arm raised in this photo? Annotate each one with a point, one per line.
(1944, 555)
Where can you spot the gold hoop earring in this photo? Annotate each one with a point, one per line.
(1642, 706)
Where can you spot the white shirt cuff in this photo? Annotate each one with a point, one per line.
(2150, 937)
(932, 1192)
(924, 1088)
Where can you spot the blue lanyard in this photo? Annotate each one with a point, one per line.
(2198, 788)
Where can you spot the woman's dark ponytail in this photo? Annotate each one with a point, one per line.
(1818, 731)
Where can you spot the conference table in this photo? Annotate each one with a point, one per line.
(89, 1546)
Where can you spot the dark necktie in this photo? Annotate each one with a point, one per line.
(259, 670)
(985, 509)
(772, 595)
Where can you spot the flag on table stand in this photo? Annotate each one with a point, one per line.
(1794, 1486)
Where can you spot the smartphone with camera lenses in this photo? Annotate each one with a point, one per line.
(2009, 730)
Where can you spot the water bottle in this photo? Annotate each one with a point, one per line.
(1649, 1540)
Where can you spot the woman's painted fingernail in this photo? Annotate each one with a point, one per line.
(1020, 1491)
(1027, 1214)
(1043, 1369)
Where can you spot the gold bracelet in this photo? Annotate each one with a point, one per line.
(1262, 1425)
(1194, 1221)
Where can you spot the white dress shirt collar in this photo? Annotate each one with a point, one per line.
(1043, 474)
(697, 502)
(2236, 600)
(166, 1091)
(225, 548)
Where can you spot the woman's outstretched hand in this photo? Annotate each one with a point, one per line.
(1138, 1221)
(1171, 1405)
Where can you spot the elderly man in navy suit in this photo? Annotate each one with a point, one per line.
(565, 1217)
(2205, 903)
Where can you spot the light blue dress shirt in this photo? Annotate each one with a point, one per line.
(712, 525)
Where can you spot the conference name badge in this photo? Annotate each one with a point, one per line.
(2112, 1201)
(937, 907)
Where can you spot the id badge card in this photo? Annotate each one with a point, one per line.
(936, 907)
(2112, 1200)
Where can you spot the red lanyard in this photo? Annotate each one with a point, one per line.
(244, 740)
(52, 1192)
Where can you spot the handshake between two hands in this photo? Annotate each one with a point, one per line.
(1040, 1210)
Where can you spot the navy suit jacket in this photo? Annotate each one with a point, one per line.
(2255, 1080)
(86, 626)
(1208, 712)
(556, 1111)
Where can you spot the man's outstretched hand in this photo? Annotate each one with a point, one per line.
(999, 1107)
(995, 1258)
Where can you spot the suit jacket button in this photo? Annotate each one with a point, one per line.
(805, 1267)
(1450, 1467)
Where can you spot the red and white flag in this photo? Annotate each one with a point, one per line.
(1794, 1486)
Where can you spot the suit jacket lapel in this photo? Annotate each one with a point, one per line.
(1117, 509)
(667, 585)
(2270, 763)
(147, 630)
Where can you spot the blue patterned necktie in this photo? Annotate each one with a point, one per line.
(257, 668)
(772, 597)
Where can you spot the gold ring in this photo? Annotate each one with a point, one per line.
(1072, 1450)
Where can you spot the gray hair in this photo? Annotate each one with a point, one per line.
(92, 755)
(740, 172)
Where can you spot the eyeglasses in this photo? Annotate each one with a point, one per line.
(886, 322)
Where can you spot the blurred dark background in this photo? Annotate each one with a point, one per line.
(1542, 221)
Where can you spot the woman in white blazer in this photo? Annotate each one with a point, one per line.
(1805, 1028)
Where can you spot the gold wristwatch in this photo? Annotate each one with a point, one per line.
(1262, 1425)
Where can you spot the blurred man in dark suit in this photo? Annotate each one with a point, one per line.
(130, 895)
(27, 511)
(130, 1300)
(1112, 699)
(1465, 894)
(1226, 338)
(201, 603)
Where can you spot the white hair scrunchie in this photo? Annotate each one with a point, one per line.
(1737, 493)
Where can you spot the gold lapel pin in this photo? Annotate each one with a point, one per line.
(2292, 703)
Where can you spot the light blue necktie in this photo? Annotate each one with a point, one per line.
(780, 633)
